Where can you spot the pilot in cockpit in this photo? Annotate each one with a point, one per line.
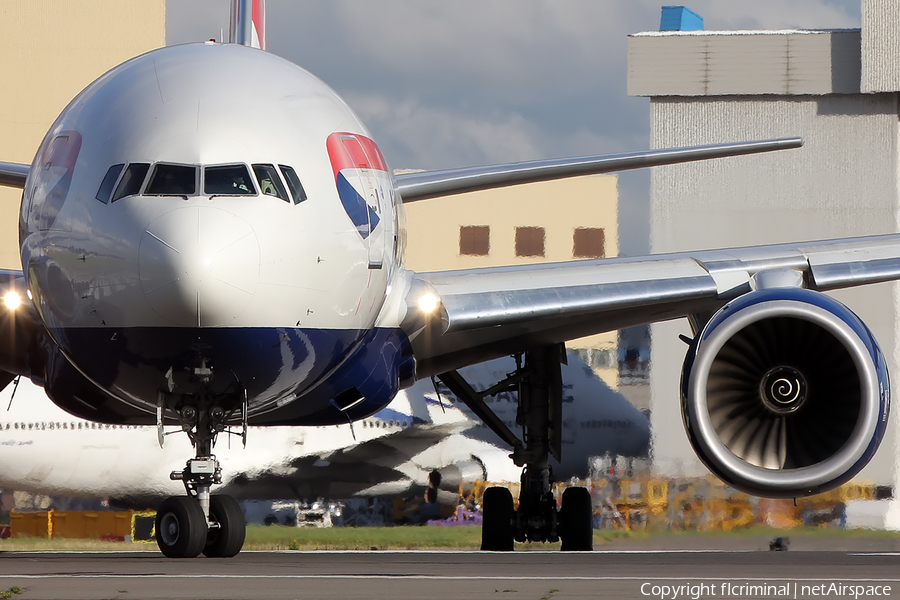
(239, 185)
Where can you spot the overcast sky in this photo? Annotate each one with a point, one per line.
(455, 83)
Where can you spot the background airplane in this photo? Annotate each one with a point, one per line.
(48, 451)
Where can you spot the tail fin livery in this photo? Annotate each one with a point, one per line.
(248, 23)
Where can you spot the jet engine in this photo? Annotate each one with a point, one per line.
(785, 393)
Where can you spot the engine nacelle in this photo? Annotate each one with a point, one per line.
(785, 393)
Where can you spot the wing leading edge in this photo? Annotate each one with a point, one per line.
(13, 174)
(485, 313)
(433, 184)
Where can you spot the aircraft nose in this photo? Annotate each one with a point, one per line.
(199, 266)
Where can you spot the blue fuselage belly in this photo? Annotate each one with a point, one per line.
(291, 376)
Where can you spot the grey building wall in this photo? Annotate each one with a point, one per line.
(843, 182)
(716, 63)
(880, 46)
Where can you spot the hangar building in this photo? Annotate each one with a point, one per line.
(838, 90)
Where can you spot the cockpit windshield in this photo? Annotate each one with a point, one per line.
(228, 180)
(131, 181)
(172, 180)
(294, 182)
(109, 180)
(167, 179)
(270, 182)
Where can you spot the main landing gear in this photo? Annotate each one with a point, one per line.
(213, 525)
(539, 385)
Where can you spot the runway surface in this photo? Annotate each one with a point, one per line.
(454, 575)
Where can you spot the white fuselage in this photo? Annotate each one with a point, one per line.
(213, 220)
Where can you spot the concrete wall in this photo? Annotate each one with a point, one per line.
(880, 46)
(51, 50)
(843, 180)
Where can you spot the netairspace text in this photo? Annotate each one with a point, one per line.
(767, 590)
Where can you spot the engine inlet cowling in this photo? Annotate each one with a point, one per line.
(785, 393)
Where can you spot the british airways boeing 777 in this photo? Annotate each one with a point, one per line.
(207, 254)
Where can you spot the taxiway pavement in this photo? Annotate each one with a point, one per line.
(447, 575)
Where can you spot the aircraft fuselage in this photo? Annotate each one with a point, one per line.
(213, 220)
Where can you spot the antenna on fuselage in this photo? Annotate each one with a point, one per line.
(15, 387)
(437, 393)
(248, 23)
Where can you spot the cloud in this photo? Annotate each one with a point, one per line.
(435, 136)
(548, 71)
(778, 14)
(432, 136)
(196, 20)
(451, 84)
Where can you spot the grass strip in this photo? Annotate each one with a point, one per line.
(279, 537)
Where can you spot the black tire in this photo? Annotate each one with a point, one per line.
(576, 521)
(180, 527)
(497, 520)
(227, 539)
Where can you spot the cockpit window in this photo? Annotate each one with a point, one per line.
(290, 175)
(228, 180)
(269, 181)
(131, 181)
(109, 180)
(172, 180)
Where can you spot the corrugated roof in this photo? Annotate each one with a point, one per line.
(725, 63)
(708, 32)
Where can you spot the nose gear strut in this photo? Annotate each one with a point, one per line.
(201, 522)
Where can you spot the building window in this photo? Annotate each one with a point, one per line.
(530, 241)
(474, 240)
(588, 242)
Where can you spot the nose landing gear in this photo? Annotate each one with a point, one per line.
(214, 525)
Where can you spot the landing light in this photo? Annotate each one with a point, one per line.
(428, 303)
(12, 300)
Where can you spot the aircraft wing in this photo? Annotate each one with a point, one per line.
(432, 184)
(13, 174)
(485, 313)
(377, 466)
(397, 448)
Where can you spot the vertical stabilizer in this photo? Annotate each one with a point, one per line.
(248, 23)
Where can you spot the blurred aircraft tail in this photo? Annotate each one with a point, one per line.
(248, 23)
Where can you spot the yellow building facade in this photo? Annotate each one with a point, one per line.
(549, 221)
(52, 49)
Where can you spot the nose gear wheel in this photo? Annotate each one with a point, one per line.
(180, 527)
(227, 539)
